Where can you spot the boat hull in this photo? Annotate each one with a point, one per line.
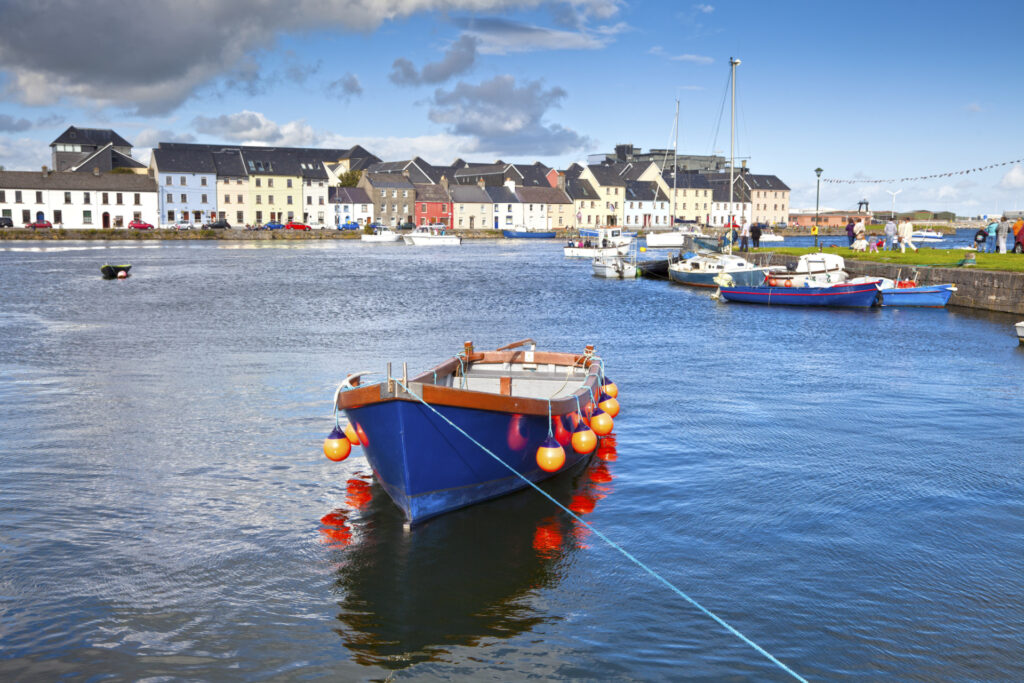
(935, 296)
(428, 468)
(861, 295)
(433, 240)
(1019, 327)
(110, 272)
(526, 235)
(615, 268)
(591, 252)
(672, 239)
(743, 278)
(384, 237)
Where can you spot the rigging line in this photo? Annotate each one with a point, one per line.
(613, 544)
(721, 113)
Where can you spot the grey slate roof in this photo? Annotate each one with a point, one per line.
(420, 171)
(430, 193)
(229, 164)
(347, 195)
(609, 175)
(178, 160)
(580, 189)
(765, 182)
(533, 175)
(644, 191)
(105, 158)
(90, 136)
(389, 180)
(306, 162)
(688, 180)
(542, 195)
(501, 195)
(469, 194)
(112, 182)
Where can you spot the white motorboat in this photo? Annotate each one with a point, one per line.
(594, 252)
(768, 236)
(617, 267)
(432, 235)
(672, 239)
(1020, 332)
(381, 235)
(701, 270)
(927, 235)
(813, 269)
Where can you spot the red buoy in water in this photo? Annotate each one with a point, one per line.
(121, 274)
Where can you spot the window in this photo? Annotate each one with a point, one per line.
(309, 201)
(289, 199)
(39, 197)
(137, 215)
(238, 216)
(405, 193)
(106, 198)
(170, 216)
(252, 167)
(394, 208)
(320, 217)
(258, 180)
(26, 216)
(202, 199)
(321, 201)
(259, 216)
(227, 199)
(138, 199)
(270, 199)
(202, 181)
(17, 197)
(184, 199)
(170, 199)
(270, 182)
(383, 193)
(444, 208)
(394, 194)
(259, 199)
(169, 180)
(238, 182)
(423, 207)
(289, 181)
(240, 199)
(183, 180)
(405, 208)
(364, 208)
(67, 197)
(57, 217)
(119, 198)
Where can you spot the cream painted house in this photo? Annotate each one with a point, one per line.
(472, 208)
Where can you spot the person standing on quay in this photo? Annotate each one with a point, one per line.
(849, 233)
(890, 234)
(755, 235)
(1001, 232)
(904, 233)
(991, 228)
(745, 235)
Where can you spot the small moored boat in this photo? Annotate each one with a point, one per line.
(1020, 332)
(416, 432)
(701, 270)
(845, 295)
(432, 235)
(110, 272)
(907, 293)
(526, 233)
(381, 235)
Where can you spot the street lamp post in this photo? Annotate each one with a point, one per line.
(817, 205)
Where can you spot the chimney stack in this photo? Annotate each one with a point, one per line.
(561, 181)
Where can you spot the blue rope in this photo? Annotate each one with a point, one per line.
(612, 543)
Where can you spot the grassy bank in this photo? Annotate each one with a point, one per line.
(947, 258)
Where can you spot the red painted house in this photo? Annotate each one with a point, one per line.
(433, 204)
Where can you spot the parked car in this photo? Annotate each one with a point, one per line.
(140, 225)
(180, 226)
(292, 225)
(351, 225)
(40, 224)
(408, 226)
(1018, 243)
(6, 222)
(217, 225)
(273, 226)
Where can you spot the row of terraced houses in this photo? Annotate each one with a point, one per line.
(96, 182)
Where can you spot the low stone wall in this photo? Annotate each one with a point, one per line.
(983, 289)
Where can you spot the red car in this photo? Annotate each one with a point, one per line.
(292, 225)
(140, 225)
(40, 224)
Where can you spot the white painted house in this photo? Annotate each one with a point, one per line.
(77, 200)
(720, 208)
(508, 210)
(349, 205)
(646, 206)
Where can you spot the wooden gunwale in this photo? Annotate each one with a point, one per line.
(423, 385)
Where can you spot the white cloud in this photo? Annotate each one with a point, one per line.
(695, 59)
(973, 107)
(23, 154)
(503, 36)
(705, 9)
(1014, 179)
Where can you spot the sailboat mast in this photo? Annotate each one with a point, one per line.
(675, 167)
(732, 146)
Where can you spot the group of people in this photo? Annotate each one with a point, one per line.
(894, 236)
(992, 237)
(745, 233)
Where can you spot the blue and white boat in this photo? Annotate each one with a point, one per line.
(702, 269)
(845, 295)
(525, 233)
(413, 432)
(907, 293)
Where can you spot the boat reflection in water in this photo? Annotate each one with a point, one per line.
(410, 597)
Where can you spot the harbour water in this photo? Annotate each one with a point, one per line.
(844, 487)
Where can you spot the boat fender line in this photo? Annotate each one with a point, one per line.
(346, 385)
(721, 622)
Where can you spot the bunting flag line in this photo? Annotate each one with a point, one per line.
(949, 174)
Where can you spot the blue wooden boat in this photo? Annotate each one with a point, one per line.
(861, 294)
(501, 398)
(528, 234)
(927, 296)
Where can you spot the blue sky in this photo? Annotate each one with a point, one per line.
(867, 90)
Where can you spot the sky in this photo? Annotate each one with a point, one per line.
(866, 91)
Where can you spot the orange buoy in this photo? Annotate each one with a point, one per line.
(550, 455)
(789, 283)
(350, 433)
(772, 282)
(336, 446)
(562, 435)
(122, 274)
(583, 438)
(601, 422)
(362, 435)
(608, 405)
(611, 388)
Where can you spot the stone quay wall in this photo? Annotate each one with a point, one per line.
(982, 289)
